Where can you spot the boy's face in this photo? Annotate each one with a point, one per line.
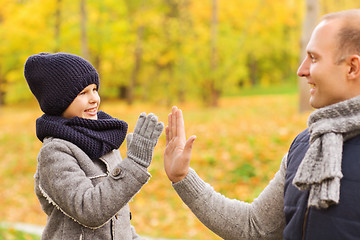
(85, 105)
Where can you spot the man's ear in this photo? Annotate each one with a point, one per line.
(354, 64)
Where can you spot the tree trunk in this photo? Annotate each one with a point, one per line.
(2, 93)
(84, 43)
(2, 81)
(137, 64)
(252, 65)
(214, 91)
(184, 23)
(173, 12)
(311, 18)
(57, 25)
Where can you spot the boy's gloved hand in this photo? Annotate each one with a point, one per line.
(141, 143)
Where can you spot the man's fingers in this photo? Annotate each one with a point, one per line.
(169, 126)
(173, 121)
(189, 145)
(180, 126)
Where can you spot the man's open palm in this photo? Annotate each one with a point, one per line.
(178, 151)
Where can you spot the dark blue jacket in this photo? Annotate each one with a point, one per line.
(338, 222)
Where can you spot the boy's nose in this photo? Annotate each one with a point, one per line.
(94, 97)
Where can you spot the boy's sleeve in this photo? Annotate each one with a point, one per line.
(64, 184)
(233, 219)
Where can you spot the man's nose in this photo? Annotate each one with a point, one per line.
(303, 69)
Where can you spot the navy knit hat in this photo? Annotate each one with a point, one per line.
(57, 78)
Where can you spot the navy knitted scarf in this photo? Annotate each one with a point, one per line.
(94, 137)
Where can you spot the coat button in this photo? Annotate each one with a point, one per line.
(116, 172)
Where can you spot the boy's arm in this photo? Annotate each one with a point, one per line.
(63, 182)
(89, 201)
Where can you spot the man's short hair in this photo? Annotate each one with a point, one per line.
(348, 37)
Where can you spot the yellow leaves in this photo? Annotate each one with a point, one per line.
(238, 149)
(176, 33)
(202, 9)
(166, 58)
(333, 5)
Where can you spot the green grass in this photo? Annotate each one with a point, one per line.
(13, 234)
(288, 88)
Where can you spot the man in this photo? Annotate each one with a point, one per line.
(315, 194)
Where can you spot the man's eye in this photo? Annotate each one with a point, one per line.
(313, 59)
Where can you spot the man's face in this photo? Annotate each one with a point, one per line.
(327, 79)
(85, 105)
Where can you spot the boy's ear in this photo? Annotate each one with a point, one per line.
(354, 67)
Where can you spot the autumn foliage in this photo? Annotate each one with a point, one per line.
(159, 51)
(238, 149)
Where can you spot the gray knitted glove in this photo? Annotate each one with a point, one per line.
(141, 143)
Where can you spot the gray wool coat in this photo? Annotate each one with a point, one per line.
(84, 198)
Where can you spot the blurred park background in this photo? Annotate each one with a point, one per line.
(230, 65)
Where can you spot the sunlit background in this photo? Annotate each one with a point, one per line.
(231, 65)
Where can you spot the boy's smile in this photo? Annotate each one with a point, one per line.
(85, 105)
(91, 111)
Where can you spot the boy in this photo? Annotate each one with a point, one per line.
(81, 181)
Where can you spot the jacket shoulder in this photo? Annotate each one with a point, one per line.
(300, 143)
(59, 148)
(51, 143)
(302, 137)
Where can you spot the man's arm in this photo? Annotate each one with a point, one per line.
(229, 218)
(233, 219)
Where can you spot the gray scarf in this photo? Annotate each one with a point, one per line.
(320, 170)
